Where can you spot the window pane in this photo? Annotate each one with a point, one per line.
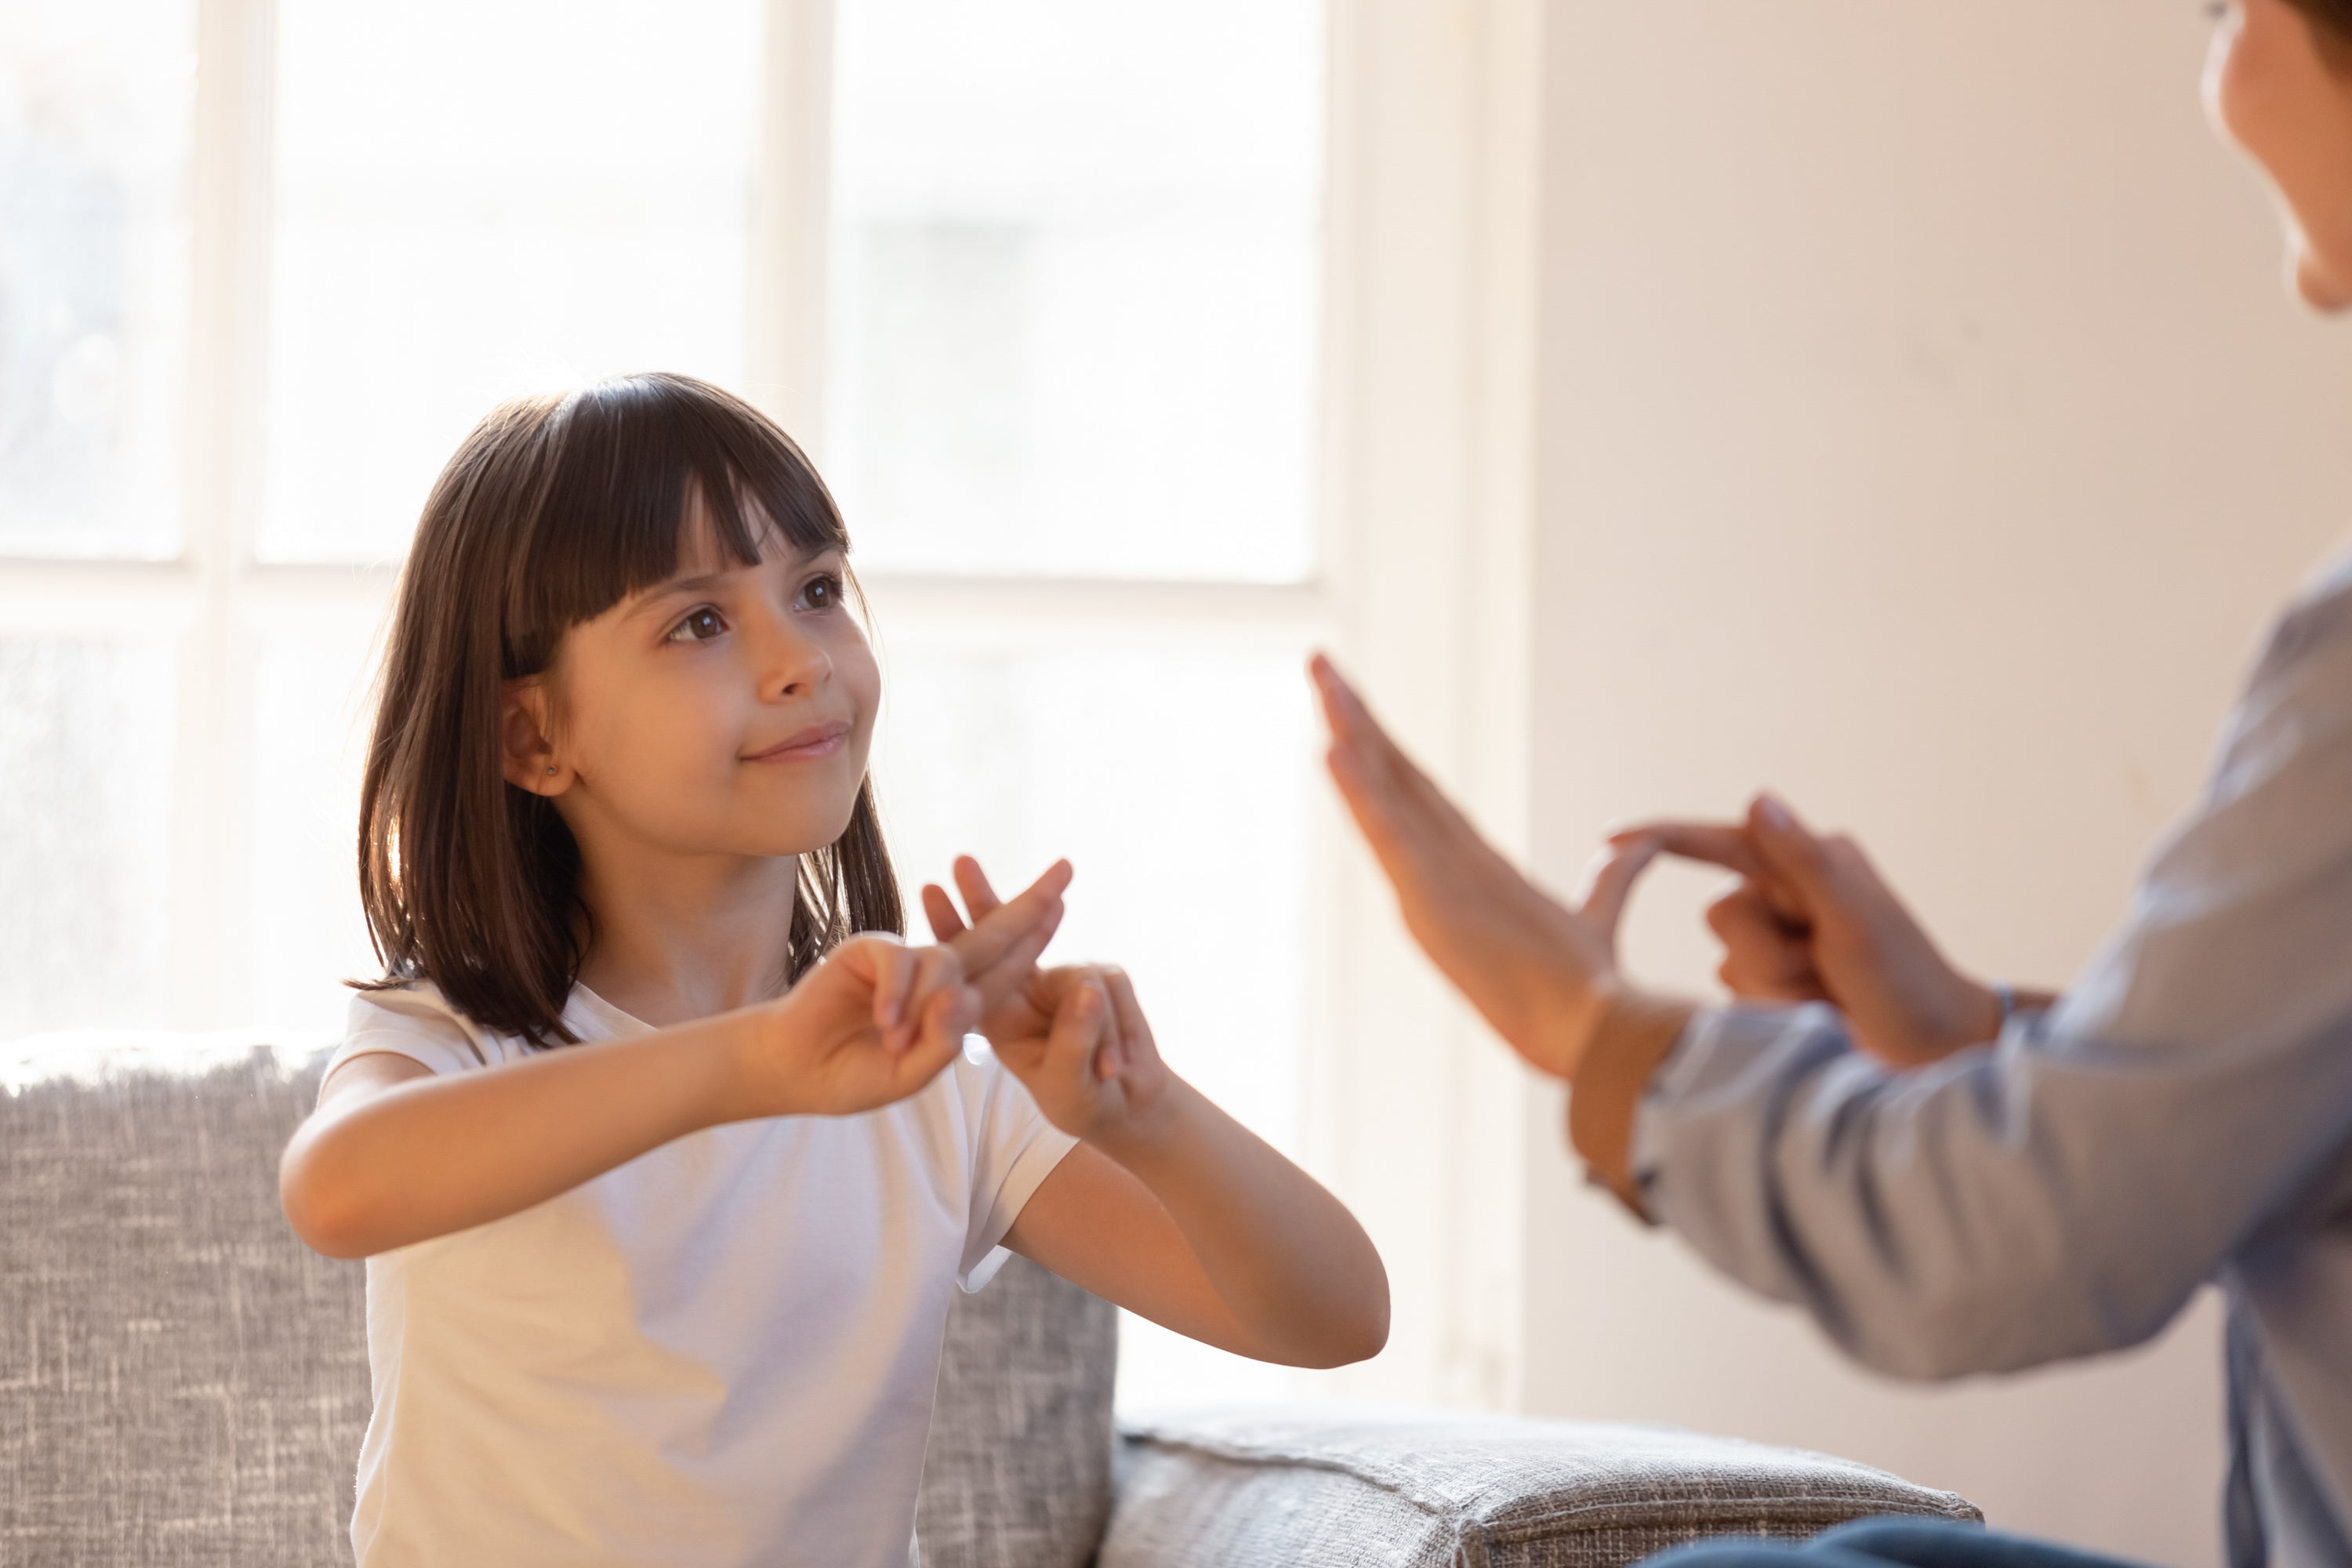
(96, 110)
(1074, 285)
(477, 198)
(86, 775)
(1177, 782)
(310, 727)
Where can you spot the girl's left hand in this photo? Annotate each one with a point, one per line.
(1075, 1037)
(1095, 1070)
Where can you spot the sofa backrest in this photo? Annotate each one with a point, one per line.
(184, 1385)
(182, 1382)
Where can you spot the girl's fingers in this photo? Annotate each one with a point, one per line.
(1077, 1027)
(1013, 967)
(938, 969)
(940, 910)
(972, 883)
(945, 1016)
(935, 971)
(1134, 1030)
(893, 976)
(995, 934)
(1125, 1008)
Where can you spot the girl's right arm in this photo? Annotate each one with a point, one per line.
(396, 1155)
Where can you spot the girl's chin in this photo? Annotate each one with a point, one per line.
(795, 833)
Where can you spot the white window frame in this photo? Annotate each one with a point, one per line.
(1425, 447)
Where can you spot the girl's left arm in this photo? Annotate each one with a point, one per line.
(1171, 1208)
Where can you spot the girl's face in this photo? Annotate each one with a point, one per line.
(2273, 92)
(727, 712)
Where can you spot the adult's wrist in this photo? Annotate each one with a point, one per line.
(1565, 1027)
(1988, 1010)
(1634, 1033)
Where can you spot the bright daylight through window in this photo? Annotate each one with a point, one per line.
(1072, 255)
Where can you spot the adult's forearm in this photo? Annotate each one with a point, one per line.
(1287, 1257)
(2056, 1197)
(441, 1154)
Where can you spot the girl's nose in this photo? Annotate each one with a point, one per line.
(792, 665)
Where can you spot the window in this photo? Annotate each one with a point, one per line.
(1069, 384)
(1133, 381)
(95, 145)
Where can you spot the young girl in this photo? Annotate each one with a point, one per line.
(661, 1147)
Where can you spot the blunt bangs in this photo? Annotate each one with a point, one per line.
(624, 458)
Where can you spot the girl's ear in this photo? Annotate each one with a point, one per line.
(526, 755)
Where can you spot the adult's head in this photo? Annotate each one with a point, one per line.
(2280, 86)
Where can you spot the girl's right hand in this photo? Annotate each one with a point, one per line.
(879, 1019)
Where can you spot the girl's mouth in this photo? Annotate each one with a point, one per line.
(807, 745)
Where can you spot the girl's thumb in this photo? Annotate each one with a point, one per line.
(1077, 1021)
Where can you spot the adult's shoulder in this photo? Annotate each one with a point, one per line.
(2319, 616)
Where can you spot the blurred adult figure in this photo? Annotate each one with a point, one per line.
(1951, 1176)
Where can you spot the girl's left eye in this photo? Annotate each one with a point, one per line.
(700, 625)
(822, 592)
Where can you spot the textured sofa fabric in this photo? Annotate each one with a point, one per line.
(1018, 1472)
(182, 1382)
(184, 1385)
(1427, 1491)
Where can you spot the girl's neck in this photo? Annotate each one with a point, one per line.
(677, 941)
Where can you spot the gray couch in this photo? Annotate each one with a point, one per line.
(183, 1386)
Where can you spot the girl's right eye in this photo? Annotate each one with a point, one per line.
(701, 623)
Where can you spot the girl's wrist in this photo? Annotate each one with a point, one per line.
(738, 1058)
(1151, 1133)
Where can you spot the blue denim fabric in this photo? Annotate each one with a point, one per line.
(1887, 1543)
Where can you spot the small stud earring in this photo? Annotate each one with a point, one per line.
(550, 769)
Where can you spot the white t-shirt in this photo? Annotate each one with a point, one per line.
(723, 1352)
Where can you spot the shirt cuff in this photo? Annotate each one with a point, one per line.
(1635, 1035)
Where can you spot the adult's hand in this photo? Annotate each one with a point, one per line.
(1811, 920)
(1542, 973)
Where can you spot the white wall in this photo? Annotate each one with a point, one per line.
(1922, 432)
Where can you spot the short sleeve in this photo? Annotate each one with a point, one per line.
(1013, 1150)
(416, 1023)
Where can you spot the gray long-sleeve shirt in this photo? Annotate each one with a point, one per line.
(2183, 1115)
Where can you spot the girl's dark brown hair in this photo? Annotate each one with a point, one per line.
(553, 510)
(2332, 25)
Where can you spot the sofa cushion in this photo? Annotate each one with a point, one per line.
(1425, 1489)
(182, 1382)
(1018, 1471)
